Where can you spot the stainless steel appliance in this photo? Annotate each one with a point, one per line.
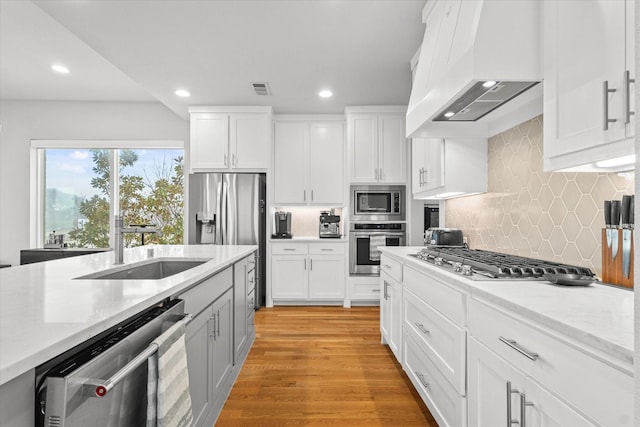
(66, 387)
(282, 225)
(230, 209)
(443, 237)
(378, 203)
(477, 264)
(329, 225)
(364, 240)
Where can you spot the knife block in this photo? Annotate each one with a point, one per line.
(612, 269)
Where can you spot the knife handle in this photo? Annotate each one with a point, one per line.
(632, 220)
(615, 213)
(626, 204)
(607, 213)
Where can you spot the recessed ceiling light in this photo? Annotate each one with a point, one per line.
(182, 93)
(60, 68)
(325, 94)
(489, 83)
(449, 114)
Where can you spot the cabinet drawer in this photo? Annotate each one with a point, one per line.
(447, 300)
(587, 383)
(327, 248)
(204, 293)
(441, 339)
(392, 267)
(289, 248)
(445, 404)
(368, 291)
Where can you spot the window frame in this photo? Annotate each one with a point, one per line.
(37, 176)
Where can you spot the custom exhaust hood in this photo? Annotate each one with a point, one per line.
(476, 57)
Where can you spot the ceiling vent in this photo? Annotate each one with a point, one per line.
(261, 89)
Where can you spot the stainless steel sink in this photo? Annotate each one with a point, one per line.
(147, 270)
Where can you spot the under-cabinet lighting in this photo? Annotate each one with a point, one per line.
(449, 114)
(325, 94)
(182, 93)
(618, 161)
(449, 194)
(60, 68)
(489, 83)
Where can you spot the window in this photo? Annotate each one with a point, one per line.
(78, 198)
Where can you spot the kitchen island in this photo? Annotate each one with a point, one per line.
(567, 350)
(45, 310)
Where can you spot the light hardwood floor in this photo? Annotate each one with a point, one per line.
(322, 366)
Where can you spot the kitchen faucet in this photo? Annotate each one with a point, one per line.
(121, 230)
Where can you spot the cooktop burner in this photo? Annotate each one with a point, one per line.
(482, 265)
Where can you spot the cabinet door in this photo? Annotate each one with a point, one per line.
(392, 149)
(546, 410)
(200, 362)
(289, 277)
(489, 379)
(249, 140)
(385, 308)
(363, 138)
(222, 341)
(327, 276)
(581, 54)
(434, 173)
(326, 163)
(239, 307)
(290, 162)
(418, 164)
(209, 141)
(395, 323)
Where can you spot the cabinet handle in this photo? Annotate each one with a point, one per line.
(421, 177)
(304, 195)
(386, 294)
(326, 250)
(218, 324)
(305, 263)
(517, 347)
(225, 160)
(310, 264)
(510, 391)
(212, 330)
(375, 290)
(627, 97)
(312, 195)
(289, 249)
(423, 381)
(422, 328)
(523, 409)
(605, 105)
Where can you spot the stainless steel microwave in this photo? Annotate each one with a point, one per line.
(378, 203)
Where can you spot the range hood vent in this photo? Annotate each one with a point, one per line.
(481, 99)
(466, 45)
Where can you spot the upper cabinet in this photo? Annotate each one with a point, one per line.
(588, 89)
(229, 138)
(309, 162)
(447, 168)
(377, 145)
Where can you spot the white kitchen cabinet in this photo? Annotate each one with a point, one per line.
(584, 124)
(312, 272)
(377, 145)
(243, 304)
(309, 162)
(235, 140)
(391, 314)
(498, 391)
(450, 167)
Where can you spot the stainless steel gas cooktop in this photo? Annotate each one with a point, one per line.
(479, 264)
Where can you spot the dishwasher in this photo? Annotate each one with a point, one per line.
(103, 382)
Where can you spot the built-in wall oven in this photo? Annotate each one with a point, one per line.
(364, 240)
(378, 203)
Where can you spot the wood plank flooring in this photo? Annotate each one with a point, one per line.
(322, 366)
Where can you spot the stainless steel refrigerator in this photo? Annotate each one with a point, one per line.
(230, 209)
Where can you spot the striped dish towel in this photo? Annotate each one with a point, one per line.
(168, 397)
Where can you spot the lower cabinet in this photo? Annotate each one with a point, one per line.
(308, 272)
(209, 355)
(390, 314)
(523, 401)
(243, 305)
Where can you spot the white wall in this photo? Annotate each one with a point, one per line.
(23, 121)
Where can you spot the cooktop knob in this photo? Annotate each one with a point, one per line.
(466, 270)
(438, 261)
(457, 266)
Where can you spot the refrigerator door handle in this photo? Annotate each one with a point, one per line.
(218, 238)
(258, 204)
(223, 215)
(231, 200)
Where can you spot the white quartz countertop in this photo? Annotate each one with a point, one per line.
(598, 316)
(44, 311)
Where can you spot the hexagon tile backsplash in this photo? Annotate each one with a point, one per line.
(554, 216)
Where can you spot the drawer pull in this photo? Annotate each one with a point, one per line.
(387, 266)
(325, 249)
(422, 328)
(423, 381)
(289, 249)
(514, 345)
(375, 290)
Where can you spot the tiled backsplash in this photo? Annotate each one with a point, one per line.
(549, 215)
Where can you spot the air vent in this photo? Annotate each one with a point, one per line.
(261, 89)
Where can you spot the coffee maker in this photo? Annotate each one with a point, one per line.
(329, 225)
(282, 225)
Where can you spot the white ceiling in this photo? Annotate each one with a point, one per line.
(142, 50)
